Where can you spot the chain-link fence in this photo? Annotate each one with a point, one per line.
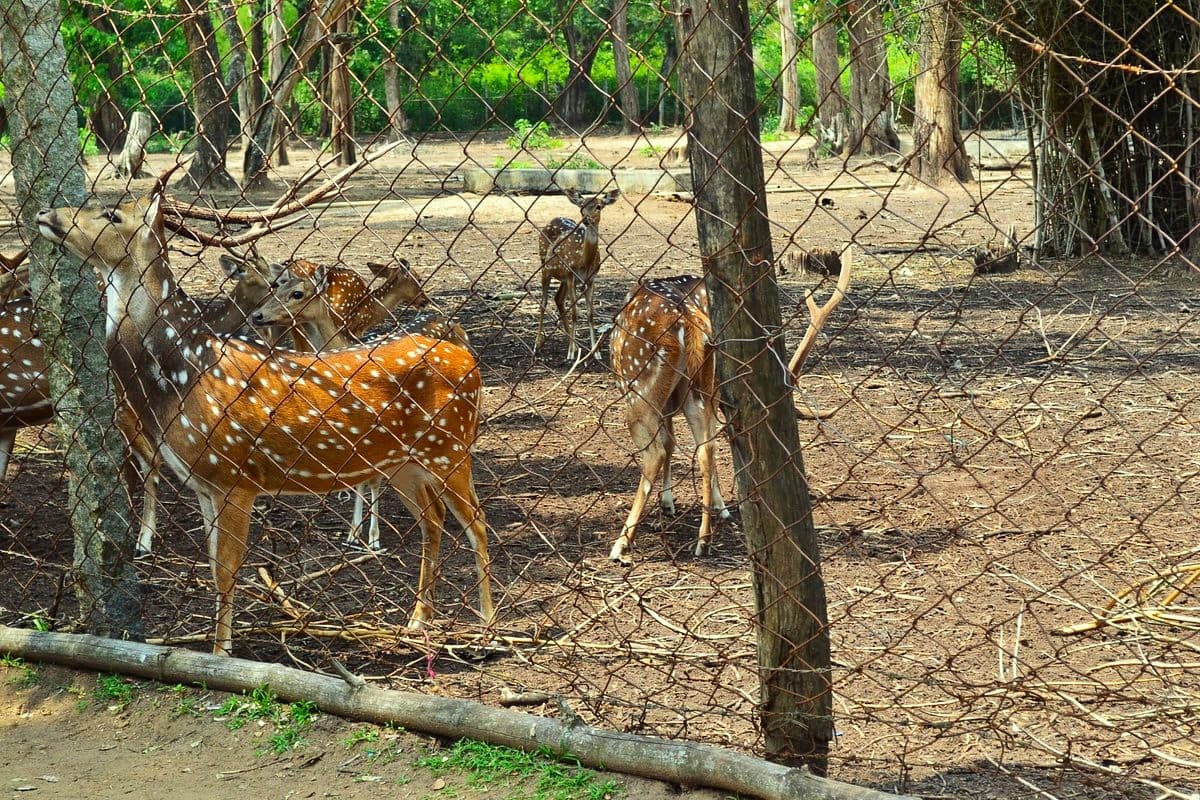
(996, 421)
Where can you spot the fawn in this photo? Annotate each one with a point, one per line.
(234, 419)
(570, 254)
(663, 355)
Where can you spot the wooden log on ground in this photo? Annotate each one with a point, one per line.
(686, 763)
(129, 162)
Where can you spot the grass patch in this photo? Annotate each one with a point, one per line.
(577, 161)
(532, 136)
(290, 720)
(359, 736)
(512, 163)
(24, 675)
(552, 778)
(115, 691)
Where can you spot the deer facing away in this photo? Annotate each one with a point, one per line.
(234, 420)
(570, 254)
(663, 355)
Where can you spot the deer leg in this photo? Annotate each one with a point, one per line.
(427, 508)
(654, 444)
(375, 486)
(464, 505)
(7, 438)
(148, 477)
(591, 307)
(564, 300)
(537, 343)
(227, 519)
(704, 431)
(666, 500)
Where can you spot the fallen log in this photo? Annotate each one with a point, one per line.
(686, 763)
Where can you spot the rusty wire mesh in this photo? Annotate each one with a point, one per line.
(1000, 460)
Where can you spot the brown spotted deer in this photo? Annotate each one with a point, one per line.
(570, 254)
(330, 307)
(25, 397)
(234, 420)
(664, 358)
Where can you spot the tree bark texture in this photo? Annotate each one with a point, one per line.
(397, 120)
(238, 76)
(341, 108)
(627, 94)
(789, 83)
(939, 153)
(686, 763)
(210, 101)
(45, 157)
(287, 67)
(133, 153)
(831, 100)
(776, 513)
(872, 131)
(570, 107)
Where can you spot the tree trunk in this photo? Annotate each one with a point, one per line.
(627, 95)
(670, 58)
(105, 118)
(255, 79)
(939, 154)
(735, 245)
(268, 125)
(397, 121)
(45, 158)
(789, 84)
(831, 101)
(872, 131)
(239, 78)
(129, 163)
(210, 102)
(279, 56)
(570, 107)
(341, 109)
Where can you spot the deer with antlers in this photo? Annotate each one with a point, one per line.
(570, 254)
(664, 358)
(234, 420)
(25, 396)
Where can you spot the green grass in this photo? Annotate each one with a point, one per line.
(359, 736)
(532, 136)
(512, 163)
(552, 779)
(290, 720)
(26, 675)
(577, 161)
(114, 690)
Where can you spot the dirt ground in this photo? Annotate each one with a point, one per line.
(991, 458)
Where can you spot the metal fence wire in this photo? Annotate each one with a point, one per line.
(997, 422)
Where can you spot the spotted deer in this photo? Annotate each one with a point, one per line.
(329, 307)
(570, 254)
(664, 359)
(234, 420)
(25, 397)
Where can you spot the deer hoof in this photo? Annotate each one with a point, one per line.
(701, 548)
(620, 553)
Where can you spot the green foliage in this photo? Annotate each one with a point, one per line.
(114, 690)
(532, 136)
(238, 709)
(290, 721)
(25, 675)
(575, 161)
(511, 163)
(487, 764)
(360, 735)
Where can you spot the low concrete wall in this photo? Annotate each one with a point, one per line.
(545, 181)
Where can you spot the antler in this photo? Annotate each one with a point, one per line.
(819, 315)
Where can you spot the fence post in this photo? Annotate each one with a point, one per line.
(45, 155)
(735, 243)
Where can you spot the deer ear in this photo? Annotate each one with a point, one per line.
(574, 197)
(153, 209)
(231, 265)
(611, 197)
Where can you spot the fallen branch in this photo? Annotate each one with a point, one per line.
(686, 763)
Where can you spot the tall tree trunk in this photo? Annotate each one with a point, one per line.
(267, 124)
(210, 102)
(570, 107)
(397, 121)
(45, 158)
(254, 69)
(831, 101)
(735, 245)
(239, 78)
(279, 57)
(789, 83)
(105, 118)
(669, 61)
(627, 94)
(939, 152)
(341, 109)
(872, 131)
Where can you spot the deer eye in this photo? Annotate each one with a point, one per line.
(298, 294)
(111, 215)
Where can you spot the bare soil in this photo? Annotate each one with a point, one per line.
(991, 457)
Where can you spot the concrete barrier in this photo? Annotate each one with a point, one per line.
(547, 181)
